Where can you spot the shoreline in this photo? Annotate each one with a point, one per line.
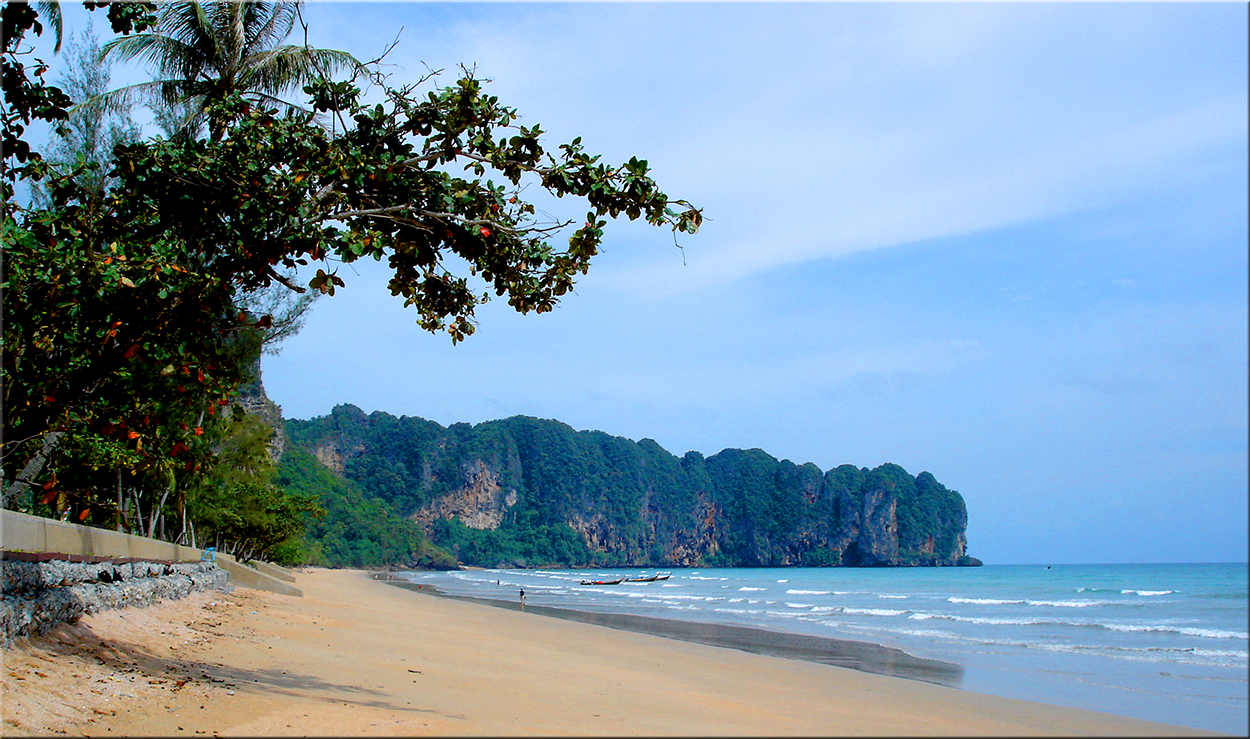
(868, 657)
(355, 658)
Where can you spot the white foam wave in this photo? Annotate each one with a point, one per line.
(745, 589)
(809, 592)
(1185, 630)
(801, 605)
(1121, 627)
(1068, 603)
(894, 597)
(1147, 592)
(873, 611)
(983, 601)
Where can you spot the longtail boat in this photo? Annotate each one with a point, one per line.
(603, 582)
(653, 578)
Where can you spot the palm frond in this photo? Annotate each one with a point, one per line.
(287, 66)
(268, 24)
(51, 11)
(123, 98)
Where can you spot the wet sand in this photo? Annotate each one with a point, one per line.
(357, 658)
(854, 655)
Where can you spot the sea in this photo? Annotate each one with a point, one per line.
(1162, 642)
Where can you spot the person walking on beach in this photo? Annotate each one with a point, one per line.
(522, 600)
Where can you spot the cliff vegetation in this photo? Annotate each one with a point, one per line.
(527, 492)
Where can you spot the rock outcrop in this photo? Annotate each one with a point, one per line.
(633, 503)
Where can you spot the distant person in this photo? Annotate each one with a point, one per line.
(522, 600)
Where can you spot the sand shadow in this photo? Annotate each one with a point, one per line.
(78, 640)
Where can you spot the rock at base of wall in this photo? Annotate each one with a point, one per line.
(40, 595)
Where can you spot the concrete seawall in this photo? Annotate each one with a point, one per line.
(20, 532)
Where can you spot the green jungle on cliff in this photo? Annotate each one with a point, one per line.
(526, 492)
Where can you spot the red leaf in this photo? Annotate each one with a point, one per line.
(83, 516)
(133, 350)
(49, 496)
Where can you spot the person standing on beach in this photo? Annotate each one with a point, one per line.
(522, 600)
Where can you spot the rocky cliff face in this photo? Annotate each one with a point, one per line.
(480, 504)
(256, 403)
(633, 503)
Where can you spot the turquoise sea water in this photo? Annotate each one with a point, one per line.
(1160, 642)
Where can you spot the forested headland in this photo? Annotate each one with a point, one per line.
(526, 492)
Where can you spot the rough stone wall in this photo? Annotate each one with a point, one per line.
(40, 595)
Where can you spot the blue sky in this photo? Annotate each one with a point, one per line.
(1003, 243)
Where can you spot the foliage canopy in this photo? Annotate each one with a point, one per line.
(126, 322)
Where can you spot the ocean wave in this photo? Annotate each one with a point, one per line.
(800, 605)
(745, 589)
(1070, 603)
(1147, 592)
(983, 601)
(873, 611)
(992, 620)
(1185, 630)
(808, 592)
(893, 597)
(783, 581)
(1109, 626)
(928, 633)
(1202, 657)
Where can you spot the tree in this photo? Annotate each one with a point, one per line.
(85, 151)
(203, 53)
(125, 322)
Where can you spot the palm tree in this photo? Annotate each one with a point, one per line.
(205, 52)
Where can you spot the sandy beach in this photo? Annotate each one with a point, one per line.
(357, 657)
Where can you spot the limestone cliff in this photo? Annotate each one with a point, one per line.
(545, 492)
(255, 402)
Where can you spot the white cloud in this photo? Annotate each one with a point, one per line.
(817, 131)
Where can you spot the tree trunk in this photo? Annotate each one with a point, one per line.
(156, 514)
(119, 498)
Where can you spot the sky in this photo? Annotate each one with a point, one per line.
(1006, 244)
